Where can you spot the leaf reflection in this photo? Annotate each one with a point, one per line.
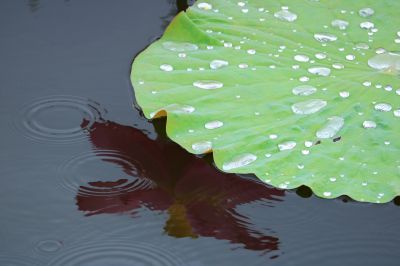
(200, 200)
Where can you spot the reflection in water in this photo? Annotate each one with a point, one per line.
(200, 200)
(34, 5)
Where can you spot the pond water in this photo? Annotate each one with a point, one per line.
(87, 180)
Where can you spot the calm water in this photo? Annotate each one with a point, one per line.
(86, 180)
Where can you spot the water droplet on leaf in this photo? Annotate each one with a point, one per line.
(387, 62)
(308, 107)
(325, 37)
(366, 12)
(340, 24)
(166, 67)
(366, 25)
(239, 161)
(333, 126)
(304, 90)
(204, 6)
(202, 146)
(301, 58)
(288, 145)
(286, 15)
(321, 71)
(383, 107)
(216, 64)
(208, 84)
(214, 124)
(180, 46)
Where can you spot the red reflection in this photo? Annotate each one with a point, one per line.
(200, 200)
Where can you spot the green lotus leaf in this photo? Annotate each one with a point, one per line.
(298, 92)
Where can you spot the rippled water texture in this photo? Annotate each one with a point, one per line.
(86, 180)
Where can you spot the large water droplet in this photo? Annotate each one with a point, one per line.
(383, 107)
(214, 124)
(327, 194)
(304, 90)
(308, 107)
(301, 58)
(332, 127)
(180, 46)
(325, 37)
(337, 66)
(208, 84)
(304, 79)
(288, 145)
(320, 55)
(321, 71)
(239, 161)
(273, 136)
(344, 94)
(366, 25)
(202, 146)
(363, 46)
(166, 67)
(308, 143)
(388, 62)
(396, 113)
(204, 6)
(216, 64)
(369, 124)
(228, 44)
(366, 12)
(286, 15)
(340, 24)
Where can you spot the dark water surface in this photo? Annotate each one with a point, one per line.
(86, 180)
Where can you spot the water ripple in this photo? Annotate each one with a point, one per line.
(117, 253)
(17, 261)
(48, 246)
(58, 119)
(114, 174)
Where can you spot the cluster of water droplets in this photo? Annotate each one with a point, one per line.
(319, 65)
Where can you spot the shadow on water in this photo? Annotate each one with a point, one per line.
(200, 201)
